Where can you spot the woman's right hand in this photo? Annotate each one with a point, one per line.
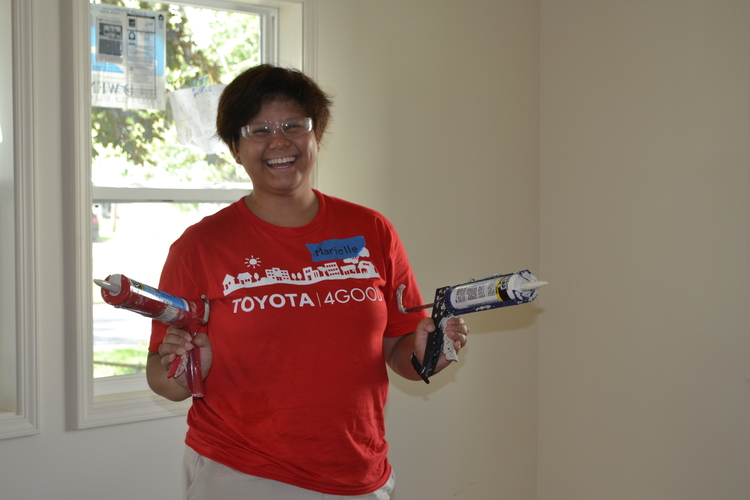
(176, 343)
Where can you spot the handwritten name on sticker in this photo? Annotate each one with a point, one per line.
(348, 248)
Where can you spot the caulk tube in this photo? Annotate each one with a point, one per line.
(495, 291)
(125, 293)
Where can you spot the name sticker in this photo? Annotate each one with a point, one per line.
(348, 248)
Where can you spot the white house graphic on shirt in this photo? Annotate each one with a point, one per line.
(352, 268)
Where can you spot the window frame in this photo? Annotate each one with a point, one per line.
(125, 405)
(24, 420)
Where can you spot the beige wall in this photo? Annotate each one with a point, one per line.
(603, 145)
(644, 230)
(436, 124)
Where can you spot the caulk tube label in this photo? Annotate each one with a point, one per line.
(148, 301)
(169, 315)
(171, 309)
(495, 291)
(506, 287)
(158, 295)
(477, 293)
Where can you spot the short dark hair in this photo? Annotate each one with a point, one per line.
(242, 99)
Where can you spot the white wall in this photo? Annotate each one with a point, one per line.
(644, 237)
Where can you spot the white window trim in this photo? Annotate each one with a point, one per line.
(24, 421)
(120, 407)
(217, 194)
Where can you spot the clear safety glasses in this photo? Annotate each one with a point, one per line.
(290, 127)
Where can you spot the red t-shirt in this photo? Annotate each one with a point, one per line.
(299, 384)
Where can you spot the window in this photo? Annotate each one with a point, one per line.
(153, 109)
(136, 186)
(18, 367)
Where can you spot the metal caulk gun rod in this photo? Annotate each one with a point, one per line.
(113, 288)
(418, 308)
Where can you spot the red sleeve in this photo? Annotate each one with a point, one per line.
(399, 273)
(176, 279)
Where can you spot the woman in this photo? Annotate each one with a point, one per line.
(303, 315)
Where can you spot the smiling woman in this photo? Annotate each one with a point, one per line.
(280, 166)
(321, 317)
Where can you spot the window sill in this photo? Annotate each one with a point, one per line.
(14, 425)
(124, 407)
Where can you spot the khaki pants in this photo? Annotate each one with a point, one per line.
(204, 479)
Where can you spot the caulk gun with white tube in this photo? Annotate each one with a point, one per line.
(123, 292)
(500, 290)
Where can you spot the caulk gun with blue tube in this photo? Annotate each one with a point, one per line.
(125, 293)
(500, 290)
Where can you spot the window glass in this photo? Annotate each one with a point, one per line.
(132, 239)
(156, 164)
